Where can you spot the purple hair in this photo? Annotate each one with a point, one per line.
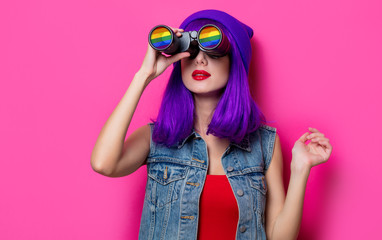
(235, 116)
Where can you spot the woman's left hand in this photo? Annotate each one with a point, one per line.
(316, 152)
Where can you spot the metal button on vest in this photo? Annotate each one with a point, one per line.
(240, 192)
(242, 229)
(229, 169)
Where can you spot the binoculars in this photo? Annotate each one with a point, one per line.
(210, 39)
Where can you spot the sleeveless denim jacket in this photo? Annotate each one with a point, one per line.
(176, 176)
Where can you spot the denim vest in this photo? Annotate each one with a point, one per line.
(176, 178)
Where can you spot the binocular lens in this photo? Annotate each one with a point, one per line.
(161, 38)
(209, 37)
(213, 41)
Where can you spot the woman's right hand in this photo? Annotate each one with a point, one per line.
(155, 63)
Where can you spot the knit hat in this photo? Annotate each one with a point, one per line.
(241, 33)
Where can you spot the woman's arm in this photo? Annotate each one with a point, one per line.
(286, 223)
(110, 142)
(109, 156)
(284, 218)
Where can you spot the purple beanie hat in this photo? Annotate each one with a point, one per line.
(241, 33)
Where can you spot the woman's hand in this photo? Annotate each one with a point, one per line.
(155, 63)
(316, 152)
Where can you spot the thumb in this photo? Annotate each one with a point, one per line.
(178, 56)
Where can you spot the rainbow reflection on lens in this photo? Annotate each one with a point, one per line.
(161, 38)
(210, 37)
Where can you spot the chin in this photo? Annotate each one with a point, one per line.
(203, 87)
(205, 92)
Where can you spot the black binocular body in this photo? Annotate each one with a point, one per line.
(209, 39)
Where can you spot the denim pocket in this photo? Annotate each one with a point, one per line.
(164, 182)
(259, 185)
(257, 181)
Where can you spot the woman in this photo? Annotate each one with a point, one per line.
(214, 168)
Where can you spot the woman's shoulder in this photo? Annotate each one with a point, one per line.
(267, 127)
(264, 132)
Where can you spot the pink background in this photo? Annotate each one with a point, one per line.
(64, 66)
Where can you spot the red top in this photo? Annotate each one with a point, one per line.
(218, 214)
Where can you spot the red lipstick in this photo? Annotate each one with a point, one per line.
(200, 75)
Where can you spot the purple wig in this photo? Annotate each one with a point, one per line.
(235, 116)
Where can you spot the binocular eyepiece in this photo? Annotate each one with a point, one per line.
(209, 39)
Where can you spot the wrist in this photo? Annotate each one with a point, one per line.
(142, 77)
(300, 167)
(142, 74)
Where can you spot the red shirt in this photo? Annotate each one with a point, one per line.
(218, 211)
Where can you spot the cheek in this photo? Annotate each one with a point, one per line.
(184, 74)
(226, 68)
(183, 68)
(181, 65)
(226, 71)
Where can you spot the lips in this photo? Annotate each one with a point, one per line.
(200, 75)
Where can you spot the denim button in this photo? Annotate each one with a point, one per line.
(242, 229)
(240, 192)
(229, 169)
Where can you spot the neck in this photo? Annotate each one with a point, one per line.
(205, 106)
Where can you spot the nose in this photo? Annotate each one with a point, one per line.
(200, 58)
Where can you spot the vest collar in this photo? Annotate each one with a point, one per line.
(244, 144)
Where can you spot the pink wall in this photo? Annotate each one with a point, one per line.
(64, 66)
